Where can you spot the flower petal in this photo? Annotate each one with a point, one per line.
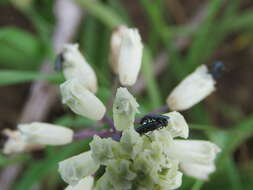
(81, 101)
(45, 134)
(84, 184)
(199, 171)
(193, 151)
(116, 40)
(124, 109)
(75, 168)
(75, 66)
(192, 89)
(130, 56)
(177, 125)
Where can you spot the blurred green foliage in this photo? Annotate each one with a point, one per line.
(22, 52)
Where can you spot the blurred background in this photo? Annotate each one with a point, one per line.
(178, 35)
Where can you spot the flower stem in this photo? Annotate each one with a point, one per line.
(90, 133)
(109, 121)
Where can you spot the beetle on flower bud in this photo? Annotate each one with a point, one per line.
(152, 122)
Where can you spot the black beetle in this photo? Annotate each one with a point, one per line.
(152, 122)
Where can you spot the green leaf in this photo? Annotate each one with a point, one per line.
(19, 49)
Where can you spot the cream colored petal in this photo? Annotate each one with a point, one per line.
(193, 151)
(81, 101)
(116, 40)
(177, 125)
(45, 134)
(16, 144)
(192, 89)
(124, 109)
(198, 171)
(75, 168)
(84, 184)
(130, 57)
(76, 66)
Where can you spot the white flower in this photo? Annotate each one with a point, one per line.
(124, 109)
(75, 168)
(84, 184)
(81, 101)
(196, 157)
(177, 125)
(45, 134)
(127, 54)
(192, 89)
(116, 40)
(198, 171)
(75, 66)
(16, 143)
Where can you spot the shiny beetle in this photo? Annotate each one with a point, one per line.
(152, 122)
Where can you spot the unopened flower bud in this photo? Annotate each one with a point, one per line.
(75, 168)
(199, 171)
(45, 134)
(84, 184)
(116, 40)
(75, 66)
(16, 143)
(126, 54)
(177, 125)
(196, 157)
(124, 109)
(81, 101)
(192, 89)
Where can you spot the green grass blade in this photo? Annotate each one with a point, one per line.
(102, 12)
(19, 49)
(9, 77)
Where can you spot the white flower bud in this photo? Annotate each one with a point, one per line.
(45, 134)
(75, 66)
(129, 56)
(116, 40)
(81, 101)
(75, 168)
(124, 109)
(192, 89)
(177, 125)
(199, 171)
(194, 151)
(16, 143)
(196, 154)
(84, 184)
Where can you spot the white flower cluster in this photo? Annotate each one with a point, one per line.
(140, 162)
(135, 161)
